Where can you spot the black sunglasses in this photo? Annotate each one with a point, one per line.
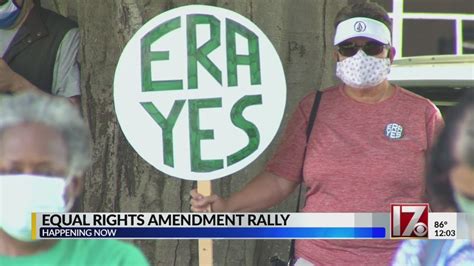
(349, 49)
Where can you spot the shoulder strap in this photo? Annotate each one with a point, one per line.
(309, 128)
(312, 116)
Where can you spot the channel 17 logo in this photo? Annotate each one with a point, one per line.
(409, 220)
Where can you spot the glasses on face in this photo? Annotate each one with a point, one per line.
(349, 49)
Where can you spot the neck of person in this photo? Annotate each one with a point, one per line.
(12, 247)
(370, 95)
(25, 11)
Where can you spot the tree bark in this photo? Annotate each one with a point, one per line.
(119, 180)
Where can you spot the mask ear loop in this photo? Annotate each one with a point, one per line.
(70, 202)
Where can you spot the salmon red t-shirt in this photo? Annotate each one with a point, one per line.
(360, 158)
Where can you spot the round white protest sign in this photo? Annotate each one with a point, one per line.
(199, 92)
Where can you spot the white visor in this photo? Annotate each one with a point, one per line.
(362, 27)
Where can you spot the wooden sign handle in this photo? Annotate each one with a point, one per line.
(205, 245)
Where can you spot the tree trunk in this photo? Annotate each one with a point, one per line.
(119, 180)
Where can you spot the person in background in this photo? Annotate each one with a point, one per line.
(367, 148)
(44, 151)
(450, 185)
(38, 50)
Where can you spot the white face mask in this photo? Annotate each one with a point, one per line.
(20, 195)
(363, 71)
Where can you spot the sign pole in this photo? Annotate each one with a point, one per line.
(205, 245)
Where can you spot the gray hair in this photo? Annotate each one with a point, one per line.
(55, 112)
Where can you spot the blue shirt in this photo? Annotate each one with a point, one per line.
(450, 253)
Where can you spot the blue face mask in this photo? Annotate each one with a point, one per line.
(9, 12)
(464, 204)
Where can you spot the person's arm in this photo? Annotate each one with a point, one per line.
(10, 81)
(264, 191)
(434, 125)
(75, 100)
(66, 76)
(282, 175)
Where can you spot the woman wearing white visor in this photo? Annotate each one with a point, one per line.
(367, 147)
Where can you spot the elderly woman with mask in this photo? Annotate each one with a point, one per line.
(450, 184)
(44, 151)
(367, 147)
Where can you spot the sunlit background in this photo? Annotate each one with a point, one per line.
(435, 47)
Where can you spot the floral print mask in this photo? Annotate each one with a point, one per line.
(363, 71)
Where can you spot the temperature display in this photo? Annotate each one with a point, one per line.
(442, 225)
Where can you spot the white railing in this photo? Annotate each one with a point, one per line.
(398, 16)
